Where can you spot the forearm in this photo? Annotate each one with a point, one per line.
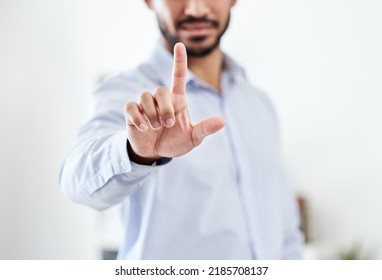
(99, 173)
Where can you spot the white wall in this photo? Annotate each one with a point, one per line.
(43, 92)
(319, 61)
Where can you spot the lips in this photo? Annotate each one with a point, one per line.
(195, 27)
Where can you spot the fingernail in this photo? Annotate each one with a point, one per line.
(169, 122)
(143, 126)
(156, 125)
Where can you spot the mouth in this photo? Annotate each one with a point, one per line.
(197, 27)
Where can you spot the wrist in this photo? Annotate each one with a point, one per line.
(134, 157)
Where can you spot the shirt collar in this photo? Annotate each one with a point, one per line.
(161, 62)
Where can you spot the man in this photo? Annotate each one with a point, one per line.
(226, 198)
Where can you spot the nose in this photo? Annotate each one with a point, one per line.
(197, 8)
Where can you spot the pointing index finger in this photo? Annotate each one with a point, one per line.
(179, 70)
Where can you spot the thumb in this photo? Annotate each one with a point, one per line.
(204, 128)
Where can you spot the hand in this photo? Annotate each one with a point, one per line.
(159, 125)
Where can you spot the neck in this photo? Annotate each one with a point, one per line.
(208, 68)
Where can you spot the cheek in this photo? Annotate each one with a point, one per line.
(222, 12)
(167, 18)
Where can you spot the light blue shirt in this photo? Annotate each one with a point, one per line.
(226, 199)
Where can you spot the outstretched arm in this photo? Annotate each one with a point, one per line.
(159, 125)
(107, 163)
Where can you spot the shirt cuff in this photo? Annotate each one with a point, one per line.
(162, 161)
(159, 162)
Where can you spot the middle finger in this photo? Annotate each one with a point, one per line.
(148, 105)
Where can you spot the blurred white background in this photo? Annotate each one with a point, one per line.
(320, 62)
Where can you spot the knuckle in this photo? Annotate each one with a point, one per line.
(179, 74)
(131, 106)
(152, 116)
(135, 120)
(145, 97)
(161, 91)
(167, 113)
(132, 113)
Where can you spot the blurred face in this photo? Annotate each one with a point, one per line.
(199, 24)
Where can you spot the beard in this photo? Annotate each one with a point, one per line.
(171, 40)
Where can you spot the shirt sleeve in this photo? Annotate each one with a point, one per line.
(98, 172)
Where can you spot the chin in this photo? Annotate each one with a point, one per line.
(200, 51)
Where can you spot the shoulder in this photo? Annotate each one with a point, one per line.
(255, 94)
(263, 98)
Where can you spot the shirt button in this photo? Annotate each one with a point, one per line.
(123, 165)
